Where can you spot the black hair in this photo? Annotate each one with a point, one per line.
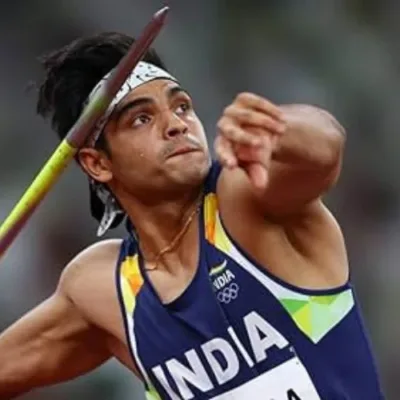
(72, 71)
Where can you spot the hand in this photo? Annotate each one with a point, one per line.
(248, 133)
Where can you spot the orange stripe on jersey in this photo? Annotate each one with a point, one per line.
(131, 272)
(210, 212)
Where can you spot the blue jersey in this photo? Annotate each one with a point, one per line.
(237, 332)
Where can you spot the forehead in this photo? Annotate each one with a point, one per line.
(157, 88)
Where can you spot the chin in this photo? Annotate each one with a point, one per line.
(194, 173)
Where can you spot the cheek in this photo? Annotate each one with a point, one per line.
(197, 128)
(125, 153)
(140, 153)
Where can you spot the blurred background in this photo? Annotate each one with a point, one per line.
(339, 54)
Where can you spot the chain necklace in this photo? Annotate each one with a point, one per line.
(177, 238)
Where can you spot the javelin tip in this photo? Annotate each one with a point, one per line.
(161, 14)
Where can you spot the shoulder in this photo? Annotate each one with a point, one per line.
(98, 258)
(99, 251)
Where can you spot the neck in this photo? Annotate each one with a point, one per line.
(162, 227)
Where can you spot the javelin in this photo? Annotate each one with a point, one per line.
(78, 134)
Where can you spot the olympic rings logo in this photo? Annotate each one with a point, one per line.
(229, 293)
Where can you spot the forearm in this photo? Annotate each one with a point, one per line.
(306, 163)
(314, 139)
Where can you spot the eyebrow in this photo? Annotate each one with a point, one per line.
(141, 101)
(175, 90)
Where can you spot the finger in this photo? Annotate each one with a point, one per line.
(259, 103)
(235, 133)
(225, 153)
(250, 154)
(261, 154)
(254, 118)
(258, 175)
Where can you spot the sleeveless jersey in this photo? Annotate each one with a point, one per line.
(238, 332)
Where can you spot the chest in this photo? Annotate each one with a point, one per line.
(229, 330)
(219, 301)
(216, 336)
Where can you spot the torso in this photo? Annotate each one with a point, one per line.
(198, 339)
(238, 325)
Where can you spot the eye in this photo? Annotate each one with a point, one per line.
(183, 108)
(140, 120)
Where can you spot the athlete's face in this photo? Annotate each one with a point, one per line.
(156, 141)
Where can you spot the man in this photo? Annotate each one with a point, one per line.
(233, 281)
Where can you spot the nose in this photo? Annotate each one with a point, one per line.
(176, 126)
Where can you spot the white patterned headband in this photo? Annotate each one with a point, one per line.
(143, 73)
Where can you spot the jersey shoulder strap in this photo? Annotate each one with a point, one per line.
(129, 278)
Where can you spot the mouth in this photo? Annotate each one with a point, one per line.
(184, 150)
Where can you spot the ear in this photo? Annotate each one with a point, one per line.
(96, 164)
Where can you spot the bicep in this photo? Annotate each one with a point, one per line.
(50, 344)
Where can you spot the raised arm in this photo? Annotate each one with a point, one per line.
(296, 157)
(51, 344)
(279, 162)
